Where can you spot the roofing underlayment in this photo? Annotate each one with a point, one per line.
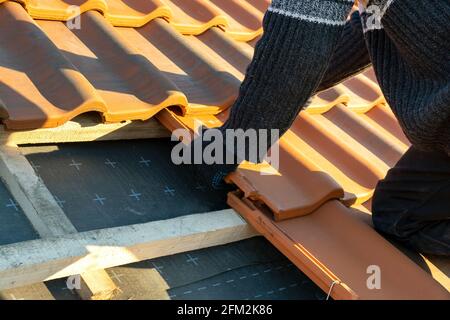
(183, 61)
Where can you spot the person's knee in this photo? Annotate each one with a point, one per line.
(408, 224)
(389, 215)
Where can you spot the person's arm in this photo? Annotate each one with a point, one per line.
(350, 56)
(290, 61)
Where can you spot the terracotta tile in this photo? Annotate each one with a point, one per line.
(354, 152)
(261, 5)
(130, 13)
(137, 72)
(59, 9)
(364, 93)
(195, 16)
(135, 13)
(380, 142)
(39, 87)
(244, 22)
(131, 86)
(296, 175)
(241, 19)
(208, 81)
(331, 245)
(383, 116)
(334, 154)
(238, 54)
(339, 154)
(325, 100)
(296, 189)
(201, 74)
(436, 267)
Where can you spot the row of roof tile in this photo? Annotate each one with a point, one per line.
(240, 18)
(51, 73)
(340, 153)
(310, 208)
(330, 159)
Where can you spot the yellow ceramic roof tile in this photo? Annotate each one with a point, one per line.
(334, 153)
(60, 9)
(383, 116)
(195, 16)
(364, 93)
(335, 250)
(325, 100)
(339, 142)
(240, 19)
(199, 74)
(368, 133)
(244, 21)
(130, 13)
(317, 137)
(131, 86)
(261, 5)
(137, 71)
(296, 188)
(208, 81)
(437, 267)
(135, 13)
(38, 87)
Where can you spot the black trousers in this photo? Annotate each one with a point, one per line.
(413, 203)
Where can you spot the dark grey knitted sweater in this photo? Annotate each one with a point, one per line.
(308, 46)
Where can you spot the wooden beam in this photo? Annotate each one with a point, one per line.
(97, 285)
(52, 258)
(41, 209)
(84, 128)
(31, 194)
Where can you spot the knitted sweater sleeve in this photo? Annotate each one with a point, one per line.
(350, 56)
(290, 61)
(409, 45)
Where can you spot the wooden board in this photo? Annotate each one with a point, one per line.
(51, 258)
(87, 127)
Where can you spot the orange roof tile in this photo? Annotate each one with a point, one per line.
(354, 147)
(240, 19)
(330, 159)
(335, 250)
(123, 73)
(304, 212)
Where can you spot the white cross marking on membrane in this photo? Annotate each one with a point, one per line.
(158, 268)
(76, 164)
(59, 201)
(169, 191)
(12, 204)
(110, 163)
(200, 187)
(116, 276)
(35, 166)
(101, 200)
(135, 195)
(145, 162)
(192, 259)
